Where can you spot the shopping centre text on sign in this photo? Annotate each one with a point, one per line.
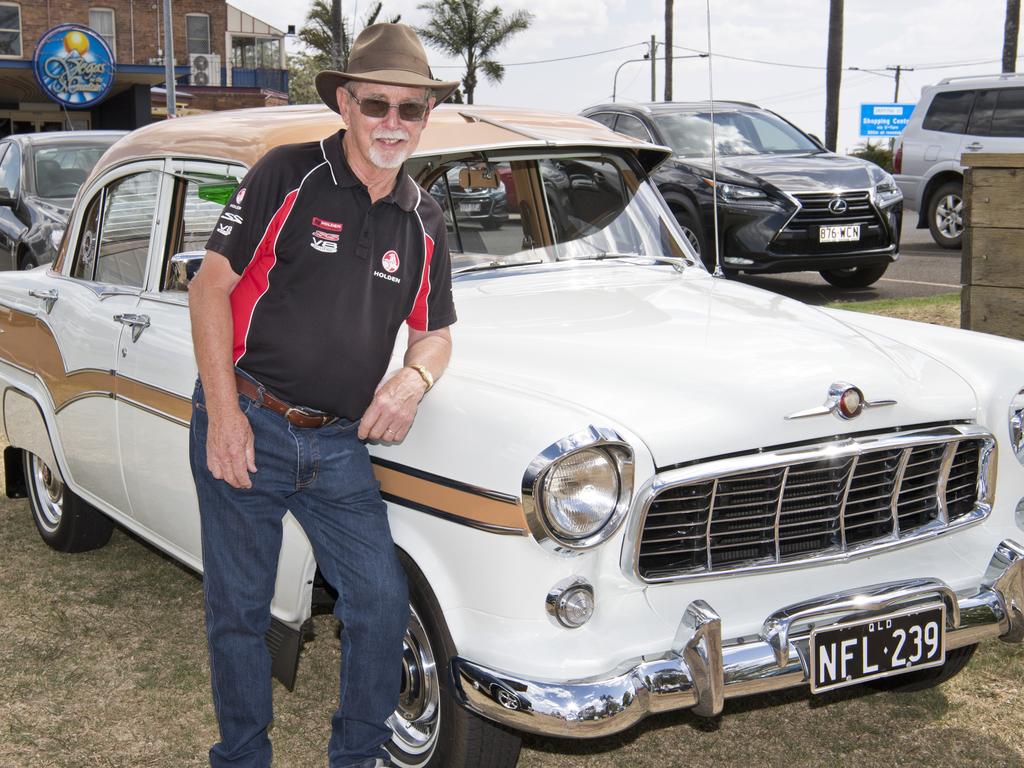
(884, 119)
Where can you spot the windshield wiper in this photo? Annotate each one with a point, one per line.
(493, 265)
(675, 261)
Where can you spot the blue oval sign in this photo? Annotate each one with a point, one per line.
(74, 66)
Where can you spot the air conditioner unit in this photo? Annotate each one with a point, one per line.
(204, 69)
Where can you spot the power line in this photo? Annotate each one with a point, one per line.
(549, 61)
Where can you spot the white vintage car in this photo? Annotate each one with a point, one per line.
(638, 488)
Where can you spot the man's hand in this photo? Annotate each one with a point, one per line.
(230, 453)
(394, 407)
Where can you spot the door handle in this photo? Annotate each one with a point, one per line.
(48, 295)
(974, 146)
(138, 323)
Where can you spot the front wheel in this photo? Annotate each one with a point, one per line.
(430, 729)
(693, 233)
(946, 215)
(854, 277)
(64, 521)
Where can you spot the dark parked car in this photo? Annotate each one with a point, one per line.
(785, 203)
(486, 204)
(40, 174)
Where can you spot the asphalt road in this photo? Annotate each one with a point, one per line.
(923, 269)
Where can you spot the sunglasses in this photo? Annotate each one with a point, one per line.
(409, 111)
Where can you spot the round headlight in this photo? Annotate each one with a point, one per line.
(1017, 425)
(580, 493)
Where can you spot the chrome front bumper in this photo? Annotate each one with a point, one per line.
(700, 671)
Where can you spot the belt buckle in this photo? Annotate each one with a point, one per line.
(292, 409)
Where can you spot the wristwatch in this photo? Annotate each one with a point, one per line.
(427, 377)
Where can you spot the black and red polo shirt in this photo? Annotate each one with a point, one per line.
(327, 278)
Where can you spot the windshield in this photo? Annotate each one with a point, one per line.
(736, 133)
(61, 169)
(541, 210)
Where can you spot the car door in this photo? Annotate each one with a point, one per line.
(85, 313)
(156, 369)
(11, 226)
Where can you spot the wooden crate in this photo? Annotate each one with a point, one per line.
(992, 299)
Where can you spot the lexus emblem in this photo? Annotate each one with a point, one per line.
(838, 206)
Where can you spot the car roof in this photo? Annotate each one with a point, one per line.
(245, 135)
(672, 107)
(65, 137)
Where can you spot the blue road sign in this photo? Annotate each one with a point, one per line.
(884, 119)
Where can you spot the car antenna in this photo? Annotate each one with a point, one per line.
(714, 153)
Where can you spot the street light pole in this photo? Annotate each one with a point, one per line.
(654, 49)
(615, 79)
(169, 93)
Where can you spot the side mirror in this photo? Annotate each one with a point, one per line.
(6, 196)
(184, 266)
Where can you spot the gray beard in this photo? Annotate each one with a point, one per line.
(388, 160)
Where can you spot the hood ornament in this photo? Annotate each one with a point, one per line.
(844, 401)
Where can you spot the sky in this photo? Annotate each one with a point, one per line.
(937, 38)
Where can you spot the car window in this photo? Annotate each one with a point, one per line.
(606, 119)
(114, 243)
(60, 170)
(980, 122)
(10, 169)
(1008, 118)
(634, 127)
(949, 111)
(479, 218)
(198, 218)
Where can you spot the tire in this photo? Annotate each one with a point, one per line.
(924, 679)
(693, 232)
(431, 729)
(64, 521)
(946, 214)
(854, 277)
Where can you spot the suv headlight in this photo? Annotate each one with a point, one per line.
(577, 492)
(1017, 425)
(886, 190)
(737, 193)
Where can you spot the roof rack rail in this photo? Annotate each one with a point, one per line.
(1000, 76)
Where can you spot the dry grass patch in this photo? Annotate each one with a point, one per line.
(940, 309)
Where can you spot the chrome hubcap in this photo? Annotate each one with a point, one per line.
(48, 492)
(416, 722)
(949, 216)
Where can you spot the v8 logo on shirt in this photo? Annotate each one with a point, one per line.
(324, 246)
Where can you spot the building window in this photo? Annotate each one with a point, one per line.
(10, 29)
(102, 22)
(256, 52)
(197, 33)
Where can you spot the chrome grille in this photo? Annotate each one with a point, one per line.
(814, 209)
(830, 499)
(801, 233)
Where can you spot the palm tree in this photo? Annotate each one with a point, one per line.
(1010, 29)
(668, 49)
(464, 28)
(326, 32)
(833, 72)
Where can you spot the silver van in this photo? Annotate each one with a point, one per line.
(957, 116)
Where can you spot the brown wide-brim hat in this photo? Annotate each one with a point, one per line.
(391, 54)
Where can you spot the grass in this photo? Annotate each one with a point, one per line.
(941, 309)
(104, 664)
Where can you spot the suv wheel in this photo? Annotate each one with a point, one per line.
(854, 277)
(946, 214)
(692, 232)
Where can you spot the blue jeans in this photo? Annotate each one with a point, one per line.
(324, 477)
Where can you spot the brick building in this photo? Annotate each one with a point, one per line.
(224, 59)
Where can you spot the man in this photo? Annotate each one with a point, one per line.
(322, 253)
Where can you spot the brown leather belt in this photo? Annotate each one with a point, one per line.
(297, 416)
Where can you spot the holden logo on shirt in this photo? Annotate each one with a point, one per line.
(390, 262)
(240, 196)
(326, 235)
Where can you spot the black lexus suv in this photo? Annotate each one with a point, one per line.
(785, 203)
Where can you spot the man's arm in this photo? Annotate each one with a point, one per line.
(229, 444)
(394, 405)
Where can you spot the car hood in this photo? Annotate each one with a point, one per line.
(692, 365)
(56, 207)
(824, 172)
